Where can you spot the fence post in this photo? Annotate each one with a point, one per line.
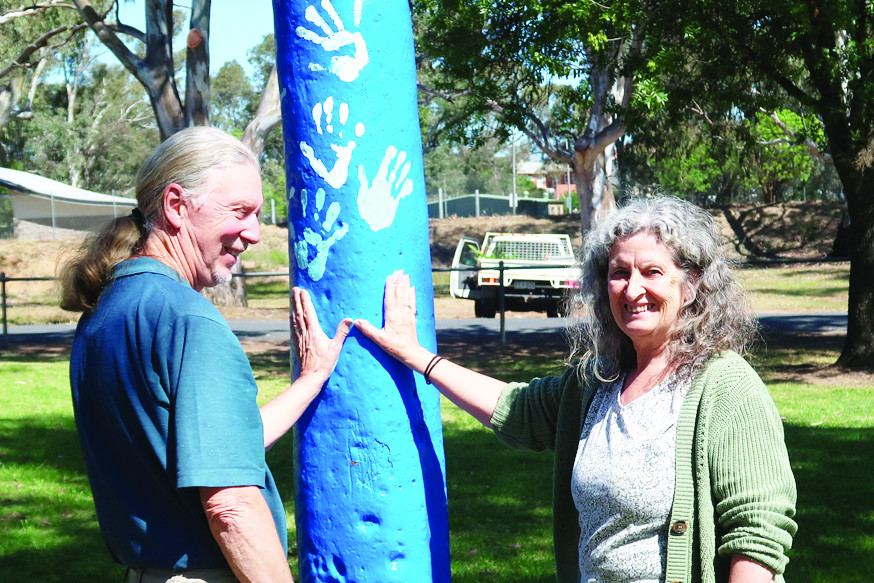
(501, 301)
(3, 294)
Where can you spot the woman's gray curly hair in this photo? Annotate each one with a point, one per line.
(718, 317)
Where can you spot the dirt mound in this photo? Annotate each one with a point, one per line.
(784, 230)
(795, 229)
(787, 230)
(446, 232)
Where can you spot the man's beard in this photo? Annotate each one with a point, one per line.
(221, 276)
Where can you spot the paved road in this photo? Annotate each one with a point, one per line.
(454, 329)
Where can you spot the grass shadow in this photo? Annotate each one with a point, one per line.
(835, 478)
(500, 509)
(48, 527)
(821, 291)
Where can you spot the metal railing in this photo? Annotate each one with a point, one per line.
(501, 285)
(3, 280)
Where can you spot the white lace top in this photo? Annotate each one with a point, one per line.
(623, 483)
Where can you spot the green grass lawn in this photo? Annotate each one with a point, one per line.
(819, 287)
(790, 288)
(499, 498)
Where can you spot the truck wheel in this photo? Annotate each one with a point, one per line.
(484, 308)
(552, 310)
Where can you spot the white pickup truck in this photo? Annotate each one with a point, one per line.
(539, 270)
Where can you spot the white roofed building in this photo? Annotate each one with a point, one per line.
(44, 208)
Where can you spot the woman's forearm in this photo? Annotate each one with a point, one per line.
(474, 392)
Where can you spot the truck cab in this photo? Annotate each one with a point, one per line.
(534, 271)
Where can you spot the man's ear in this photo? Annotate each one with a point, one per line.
(175, 209)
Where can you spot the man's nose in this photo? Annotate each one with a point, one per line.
(252, 230)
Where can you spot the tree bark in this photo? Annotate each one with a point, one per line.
(197, 65)
(155, 72)
(267, 117)
(858, 349)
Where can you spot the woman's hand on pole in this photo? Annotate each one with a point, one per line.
(398, 337)
(475, 393)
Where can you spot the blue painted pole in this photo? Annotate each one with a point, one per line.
(370, 472)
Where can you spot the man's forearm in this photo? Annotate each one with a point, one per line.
(243, 526)
(283, 411)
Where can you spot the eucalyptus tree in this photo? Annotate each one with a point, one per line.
(554, 70)
(30, 36)
(816, 56)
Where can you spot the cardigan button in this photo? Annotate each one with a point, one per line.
(679, 527)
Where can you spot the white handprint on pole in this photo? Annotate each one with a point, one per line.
(345, 67)
(378, 203)
(315, 267)
(338, 174)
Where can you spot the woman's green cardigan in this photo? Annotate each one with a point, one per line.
(734, 490)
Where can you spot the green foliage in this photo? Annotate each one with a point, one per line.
(92, 130)
(234, 100)
(496, 68)
(461, 169)
(731, 158)
(273, 185)
(775, 159)
(5, 215)
(262, 57)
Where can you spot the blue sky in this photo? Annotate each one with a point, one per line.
(235, 27)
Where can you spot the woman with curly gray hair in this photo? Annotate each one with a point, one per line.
(670, 463)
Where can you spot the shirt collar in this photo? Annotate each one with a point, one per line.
(139, 265)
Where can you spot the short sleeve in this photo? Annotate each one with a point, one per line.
(216, 436)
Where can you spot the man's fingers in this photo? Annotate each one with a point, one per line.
(343, 330)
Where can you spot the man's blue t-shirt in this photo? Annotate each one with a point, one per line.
(164, 399)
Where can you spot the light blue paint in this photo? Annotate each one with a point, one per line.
(312, 249)
(371, 495)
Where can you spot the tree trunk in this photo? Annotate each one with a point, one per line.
(197, 92)
(267, 117)
(9, 98)
(858, 350)
(584, 177)
(589, 165)
(841, 244)
(231, 294)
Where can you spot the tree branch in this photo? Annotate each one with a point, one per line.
(106, 35)
(696, 108)
(197, 65)
(811, 146)
(450, 97)
(267, 116)
(33, 9)
(41, 42)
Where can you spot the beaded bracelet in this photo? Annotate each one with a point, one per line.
(430, 367)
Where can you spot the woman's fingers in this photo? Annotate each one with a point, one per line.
(369, 330)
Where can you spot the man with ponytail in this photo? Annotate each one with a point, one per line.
(163, 394)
